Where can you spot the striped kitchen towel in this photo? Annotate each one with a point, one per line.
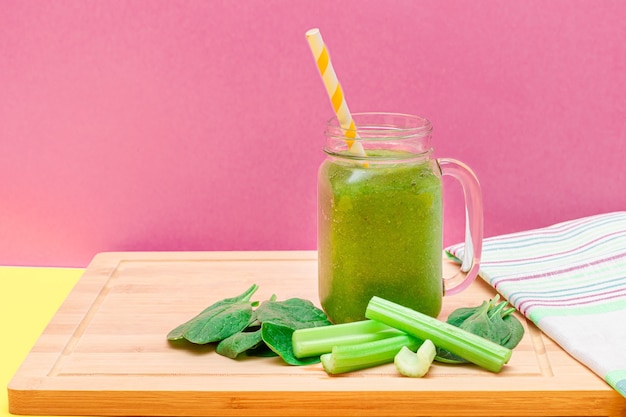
(570, 280)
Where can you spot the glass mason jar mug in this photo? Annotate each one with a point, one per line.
(380, 217)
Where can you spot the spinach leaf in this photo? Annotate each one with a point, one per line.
(459, 315)
(238, 343)
(218, 321)
(279, 319)
(445, 356)
(262, 350)
(278, 338)
(243, 341)
(239, 329)
(514, 325)
(502, 331)
(517, 331)
(489, 320)
(294, 312)
(482, 324)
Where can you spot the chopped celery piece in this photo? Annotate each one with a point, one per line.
(475, 349)
(415, 364)
(350, 358)
(315, 341)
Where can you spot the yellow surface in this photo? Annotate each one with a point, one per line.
(29, 297)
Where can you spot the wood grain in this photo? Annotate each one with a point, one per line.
(105, 353)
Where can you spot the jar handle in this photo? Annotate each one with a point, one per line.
(473, 225)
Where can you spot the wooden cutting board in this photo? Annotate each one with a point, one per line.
(105, 353)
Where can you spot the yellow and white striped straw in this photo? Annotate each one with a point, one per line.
(334, 90)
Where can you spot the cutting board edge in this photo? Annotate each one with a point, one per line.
(304, 403)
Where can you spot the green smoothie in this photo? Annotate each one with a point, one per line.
(379, 234)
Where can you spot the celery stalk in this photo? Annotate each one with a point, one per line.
(415, 364)
(315, 341)
(471, 347)
(348, 358)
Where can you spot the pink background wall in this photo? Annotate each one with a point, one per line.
(197, 125)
